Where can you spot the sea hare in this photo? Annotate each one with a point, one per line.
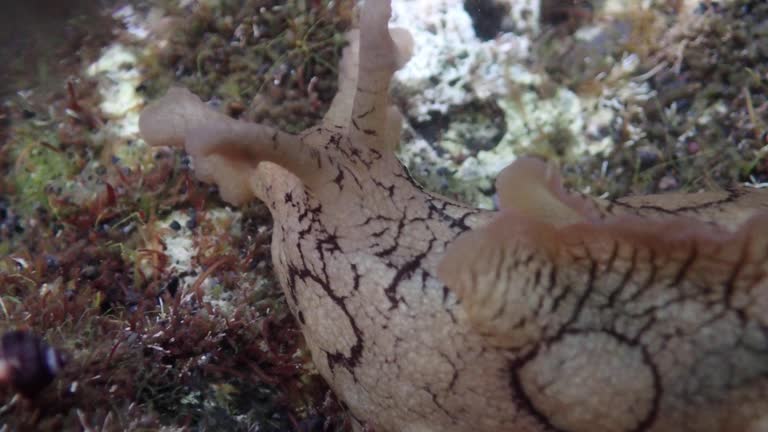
(557, 313)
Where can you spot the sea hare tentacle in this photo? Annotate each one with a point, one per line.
(181, 119)
(558, 313)
(380, 55)
(340, 111)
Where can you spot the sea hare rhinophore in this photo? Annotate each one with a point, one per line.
(557, 313)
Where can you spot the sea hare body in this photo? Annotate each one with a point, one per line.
(558, 313)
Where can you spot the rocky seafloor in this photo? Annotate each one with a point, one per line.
(161, 297)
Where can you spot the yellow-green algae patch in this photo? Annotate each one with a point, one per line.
(39, 164)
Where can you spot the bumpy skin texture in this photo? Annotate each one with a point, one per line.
(559, 313)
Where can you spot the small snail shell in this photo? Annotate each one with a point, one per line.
(27, 363)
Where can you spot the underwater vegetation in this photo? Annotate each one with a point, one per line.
(97, 236)
(164, 300)
(695, 113)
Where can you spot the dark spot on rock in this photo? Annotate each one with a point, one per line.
(51, 262)
(172, 287)
(90, 272)
(479, 126)
(192, 222)
(487, 16)
(648, 156)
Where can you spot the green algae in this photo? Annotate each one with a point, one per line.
(39, 163)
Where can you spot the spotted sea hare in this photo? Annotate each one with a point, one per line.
(557, 313)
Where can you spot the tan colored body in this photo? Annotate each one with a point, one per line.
(357, 246)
